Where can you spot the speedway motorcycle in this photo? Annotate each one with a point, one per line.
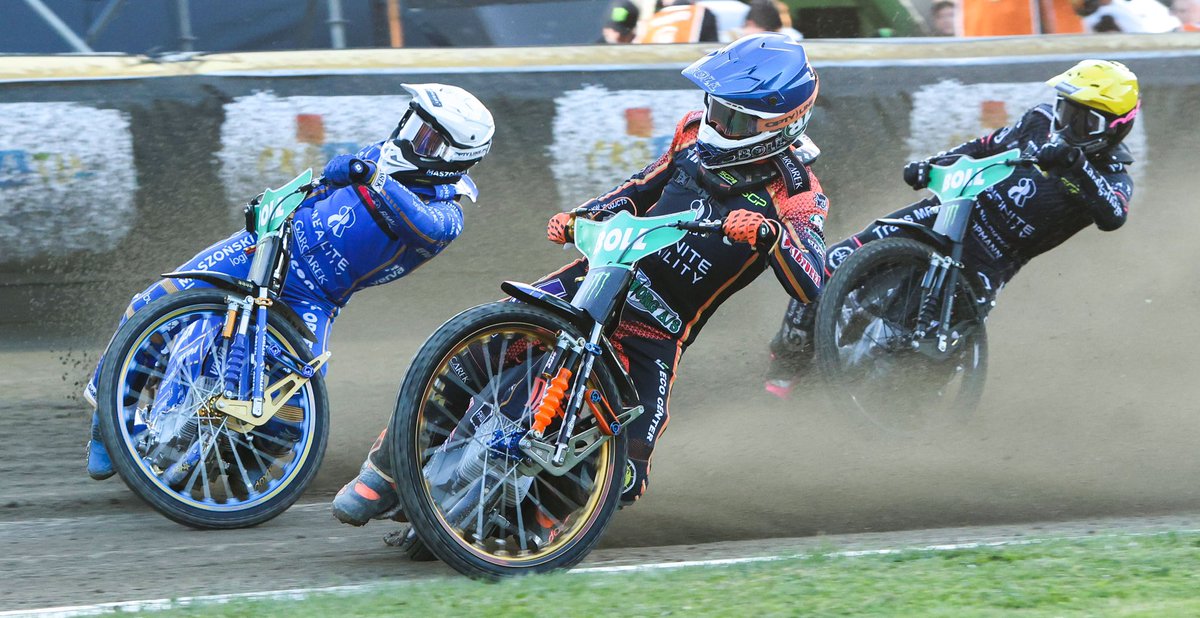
(508, 431)
(900, 330)
(210, 403)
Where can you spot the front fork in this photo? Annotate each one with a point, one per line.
(942, 275)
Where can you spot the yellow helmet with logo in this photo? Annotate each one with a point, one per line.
(1097, 102)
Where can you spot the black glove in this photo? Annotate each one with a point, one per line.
(916, 174)
(360, 171)
(1057, 155)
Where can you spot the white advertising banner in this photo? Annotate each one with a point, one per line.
(67, 179)
(267, 140)
(602, 137)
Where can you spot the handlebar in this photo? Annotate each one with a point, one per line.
(703, 227)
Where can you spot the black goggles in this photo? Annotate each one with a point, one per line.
(1077, 123)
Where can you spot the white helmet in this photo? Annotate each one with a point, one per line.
(444, 131)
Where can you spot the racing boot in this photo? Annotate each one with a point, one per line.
(370, 495)
(791, 350)
(99, 465)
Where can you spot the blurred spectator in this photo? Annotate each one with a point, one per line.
(680, 21)
(785, 16)
(943, 18)
(1132, 16)
(767, 16)
(622, 22)
(730, 14)
(1016, 17)
(1188, 12)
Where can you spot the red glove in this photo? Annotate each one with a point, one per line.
(749, 227)
(561, 229)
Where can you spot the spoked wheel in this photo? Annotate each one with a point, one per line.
(865, 336)
(170, 443)
(471, 494)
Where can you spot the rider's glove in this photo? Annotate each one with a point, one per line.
(1057, 155)
(345, 169)
(916, 174)
(561, 228)
(749, 227)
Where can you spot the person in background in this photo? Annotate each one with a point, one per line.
(621, 26)
(680, 21)
(1017, 17)
(1188, 12)
(768, 16)
(1129, 16)
(943, 18)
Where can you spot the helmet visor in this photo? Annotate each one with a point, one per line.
(1077, 123)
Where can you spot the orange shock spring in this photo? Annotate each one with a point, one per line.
(551, 405)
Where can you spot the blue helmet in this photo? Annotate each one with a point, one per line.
(759, 94)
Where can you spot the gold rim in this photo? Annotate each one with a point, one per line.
(580, 519)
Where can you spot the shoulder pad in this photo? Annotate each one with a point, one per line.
(806, 150)
(687, 131)
(1118, 154)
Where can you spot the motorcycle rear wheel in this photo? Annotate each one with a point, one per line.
(863, 337)
(464, 396)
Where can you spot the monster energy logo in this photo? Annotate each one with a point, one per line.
(641, 296)
(595, 283)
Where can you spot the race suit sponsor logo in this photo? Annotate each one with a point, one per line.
(800, 256)
(67, 179)
(341, 221)
(686, 261)
(922, 214)
(837, 255)
(630, 479)
(642, 296)
(601, 136)
(235, 252)
(660, 403)
(949, 113)
(755, 199)
(267, 139)
(1022, 191)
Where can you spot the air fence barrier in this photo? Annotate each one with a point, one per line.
(113, 169)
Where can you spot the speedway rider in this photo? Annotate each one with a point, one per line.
(743, 159)
(377, 216)
(1078, 145)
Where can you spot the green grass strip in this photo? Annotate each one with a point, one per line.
(1113, 575)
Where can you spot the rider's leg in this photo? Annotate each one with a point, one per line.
(227, 256)
(792, 347)
(651, 357)
(372, 494)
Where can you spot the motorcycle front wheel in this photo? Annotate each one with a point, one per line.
(464, 484)
(162, 373)
(864, 338)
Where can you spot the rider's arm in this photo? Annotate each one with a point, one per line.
(1035, 121)
(644, 188)
(1105, 193)
(403, 214)
(798, 254)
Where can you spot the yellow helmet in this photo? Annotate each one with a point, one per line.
(1097, 102)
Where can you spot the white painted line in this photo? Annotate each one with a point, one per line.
(300, 594)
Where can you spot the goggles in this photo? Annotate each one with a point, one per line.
(1077, 123)
(428, 142)
(736, 124)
